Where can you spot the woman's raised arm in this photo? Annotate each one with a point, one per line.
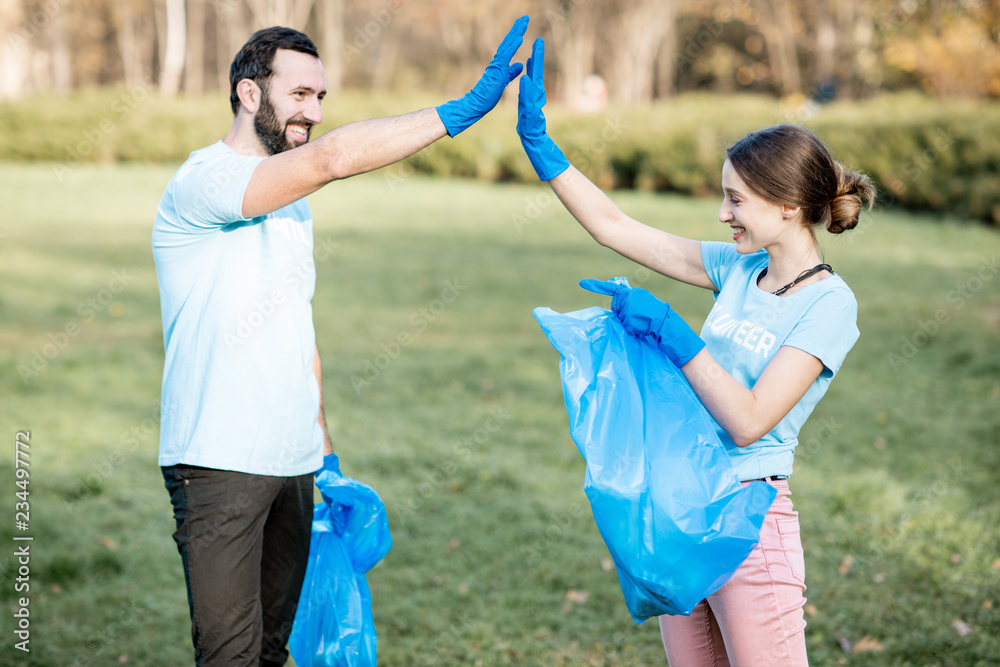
(674, 256)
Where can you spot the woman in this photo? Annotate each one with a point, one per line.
(780, 329)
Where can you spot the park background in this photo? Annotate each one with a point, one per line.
(441, 391)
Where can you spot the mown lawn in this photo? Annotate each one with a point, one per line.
(444, 395)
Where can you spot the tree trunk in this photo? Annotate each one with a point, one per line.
(15, 54)
(125, 35)
(844, 67)
(776, 25)
(640, 28)
(194, 73)
(666, 67)
(300, 12)
(574, 41)
(287, 13)
(261, 13)
(237, 31)
(331, 37)
(135, 35)
(825, 49)
(387, 57)
(62, 65)
(173, 57)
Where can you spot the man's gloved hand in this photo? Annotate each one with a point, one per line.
(543, 153)
(643, 314)
(459, 114)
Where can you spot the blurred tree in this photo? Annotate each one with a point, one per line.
(636, 29)
(290, 13)
(194, 69)
(644, 49)
(59, 48)
(469, 33)
(572, 43)
(15, 56)
(778, 27)
(845, 18)
(960, 58)
(135, 33)
(330, 33)
(173, 56)
(231, 31)
(825, 46)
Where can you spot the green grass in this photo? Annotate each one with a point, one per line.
(896, 480)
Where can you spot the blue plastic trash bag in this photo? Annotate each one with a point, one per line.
(664, 494)
(350, 533)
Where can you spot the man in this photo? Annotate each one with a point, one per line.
(242, 424)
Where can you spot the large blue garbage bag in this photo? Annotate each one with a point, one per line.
(664, 494)
(350, 533)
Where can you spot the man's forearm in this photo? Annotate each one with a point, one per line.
(345, 151)
(367, 145)
(321, 418)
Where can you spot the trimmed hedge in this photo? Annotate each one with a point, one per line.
(924, 154)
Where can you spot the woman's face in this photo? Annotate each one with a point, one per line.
(756, 222)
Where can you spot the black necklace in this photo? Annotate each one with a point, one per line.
(802, 276)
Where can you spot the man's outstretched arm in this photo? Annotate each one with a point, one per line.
(367, 145)
(345, 151)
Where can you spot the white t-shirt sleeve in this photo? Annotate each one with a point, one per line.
(828, 329)
(209, 193)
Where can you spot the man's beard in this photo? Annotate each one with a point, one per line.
(269, 130)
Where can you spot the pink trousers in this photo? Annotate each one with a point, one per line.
(756, 618)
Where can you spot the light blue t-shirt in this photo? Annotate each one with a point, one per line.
(747, 326)
(239, 391)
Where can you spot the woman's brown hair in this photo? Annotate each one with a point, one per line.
(788, 164)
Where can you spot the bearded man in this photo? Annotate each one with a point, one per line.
(242, 422)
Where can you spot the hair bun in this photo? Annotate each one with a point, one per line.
(854, 190)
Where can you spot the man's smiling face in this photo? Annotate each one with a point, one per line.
(291, 104)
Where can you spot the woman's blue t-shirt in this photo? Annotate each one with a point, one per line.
(747, 326)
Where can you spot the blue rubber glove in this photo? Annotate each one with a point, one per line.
(460, 114)
(543, 153)
(642, 314)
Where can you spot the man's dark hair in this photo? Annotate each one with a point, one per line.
(256, 58)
